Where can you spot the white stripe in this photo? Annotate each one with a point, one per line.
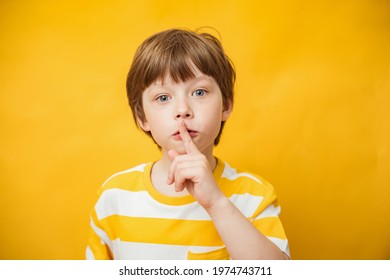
(270, 211)
(231, 174)
(204, 249)
(102, 234)
(88, 254)
(138, 168)
(141, 204)
(147, 251)
(281, 243)
(246, 203)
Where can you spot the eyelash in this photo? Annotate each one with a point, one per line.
(158, 98)
(202, 90)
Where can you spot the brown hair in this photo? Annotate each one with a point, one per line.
(172, 52)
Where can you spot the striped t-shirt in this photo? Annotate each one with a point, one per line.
(131, 220)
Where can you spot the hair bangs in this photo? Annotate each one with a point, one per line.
(180, 59)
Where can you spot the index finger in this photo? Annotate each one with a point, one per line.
(189, 145)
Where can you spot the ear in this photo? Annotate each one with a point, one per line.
(143, 124)
(227, 110)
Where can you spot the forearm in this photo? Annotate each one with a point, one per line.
(241, 238)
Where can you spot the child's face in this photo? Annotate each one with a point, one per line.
(197, 101)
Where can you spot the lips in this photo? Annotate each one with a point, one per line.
(192, 133)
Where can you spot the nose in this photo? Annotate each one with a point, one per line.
(183, 110)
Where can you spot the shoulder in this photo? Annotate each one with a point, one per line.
(129, 178)
(242, 181)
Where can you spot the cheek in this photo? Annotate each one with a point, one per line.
(213, 121)
(156, 122)
(150, 114)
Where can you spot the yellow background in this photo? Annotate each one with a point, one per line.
(311, 115)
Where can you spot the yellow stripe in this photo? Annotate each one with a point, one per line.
(270, 226)
(132, 181)
(219, 254)
(161, 231)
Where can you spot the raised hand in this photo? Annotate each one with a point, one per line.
(192, 171)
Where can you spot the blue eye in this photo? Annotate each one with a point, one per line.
(199, 92)
(163, 98)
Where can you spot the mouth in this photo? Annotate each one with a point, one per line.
(192, 133)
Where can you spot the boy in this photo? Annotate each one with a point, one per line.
(188, 204)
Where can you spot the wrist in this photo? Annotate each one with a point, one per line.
(220, 206)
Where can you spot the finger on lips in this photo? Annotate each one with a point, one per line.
(186, 138)
(175, 157)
